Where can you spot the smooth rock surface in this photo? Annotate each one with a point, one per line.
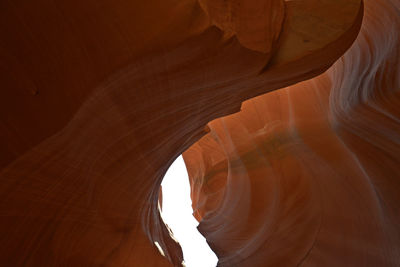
(309, 175)
(99, 98)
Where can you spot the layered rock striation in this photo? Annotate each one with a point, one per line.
(309, 174)
(101, 96)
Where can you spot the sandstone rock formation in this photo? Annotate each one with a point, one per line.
(99, 97)
(310, 174)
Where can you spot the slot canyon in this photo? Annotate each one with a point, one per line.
(287, 114)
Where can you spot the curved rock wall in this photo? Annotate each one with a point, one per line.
(101, 96)
(310, 174)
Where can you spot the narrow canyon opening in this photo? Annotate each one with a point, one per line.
(177, 215)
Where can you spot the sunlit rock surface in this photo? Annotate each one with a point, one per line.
(310, 174)
(99, 98)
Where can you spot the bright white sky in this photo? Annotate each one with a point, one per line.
(177, 214)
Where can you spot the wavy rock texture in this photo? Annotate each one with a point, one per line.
(310, 174)
(256, 23)
(101, 96)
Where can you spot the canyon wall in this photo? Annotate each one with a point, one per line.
(310, 174)
(99, 98)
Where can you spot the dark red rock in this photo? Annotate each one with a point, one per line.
(101, 96)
